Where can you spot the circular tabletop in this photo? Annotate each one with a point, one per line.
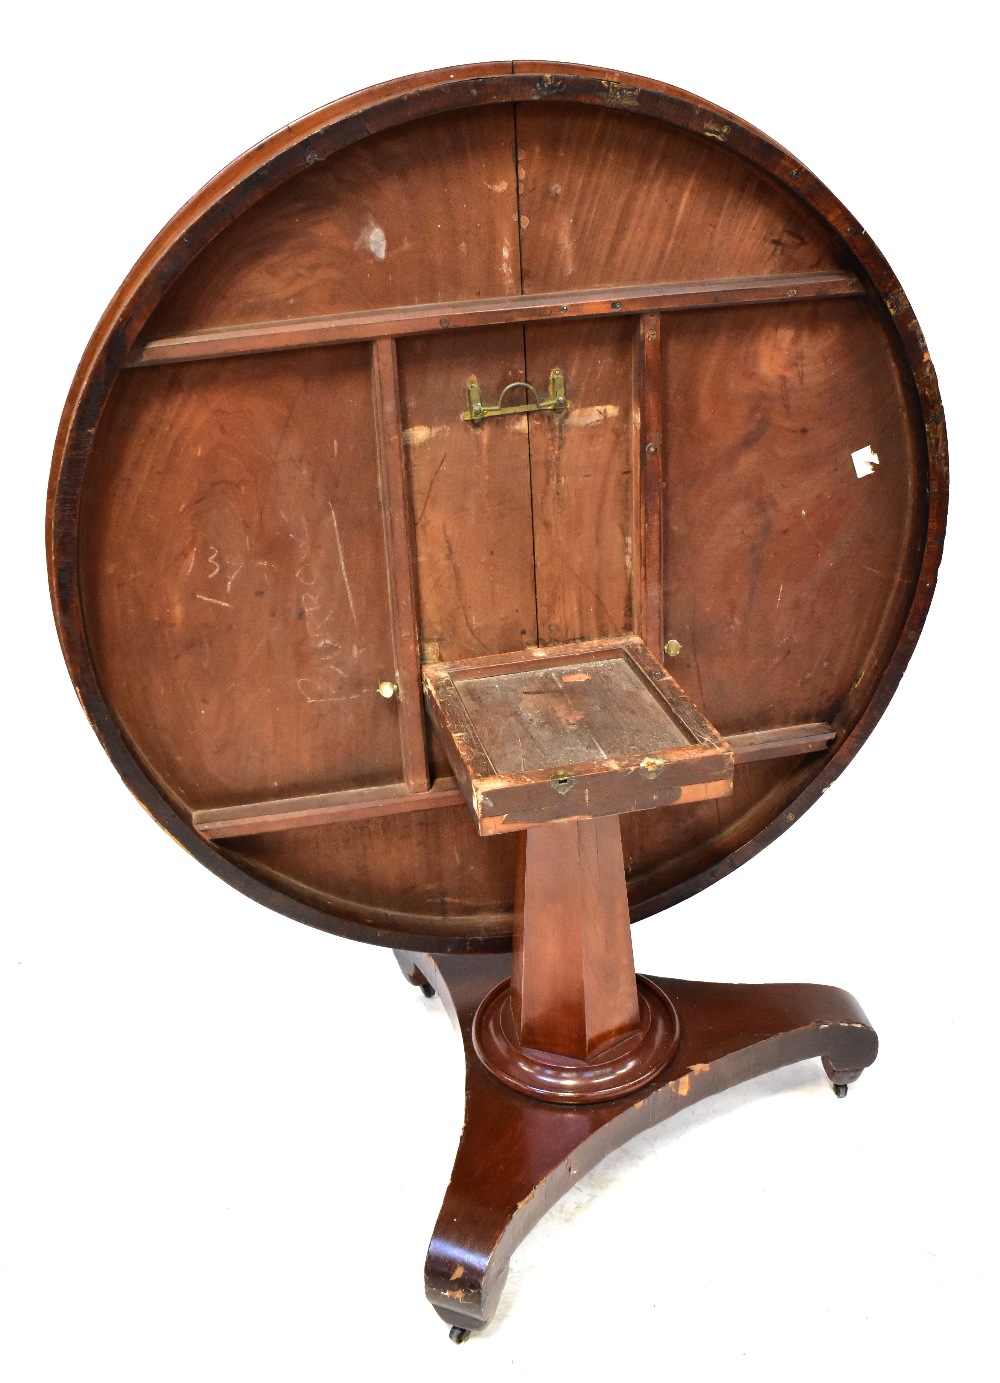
(268, 514)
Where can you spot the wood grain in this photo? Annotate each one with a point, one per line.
(581, 481)
(573, 987)
(416, 214)
(234, 579)
(784, 565)
(609, 197)
(471, 496)
(572, 732)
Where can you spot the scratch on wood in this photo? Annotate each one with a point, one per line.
(343, 565)
(209, 601)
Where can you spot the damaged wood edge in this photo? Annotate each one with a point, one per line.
(328, 808)
(340, 328)
(522, 808)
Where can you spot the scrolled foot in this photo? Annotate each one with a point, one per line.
(414, 974)
(841, 1078)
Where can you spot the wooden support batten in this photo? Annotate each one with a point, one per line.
(336, 329)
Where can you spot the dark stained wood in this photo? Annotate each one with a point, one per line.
(422, 318)
(676, 192)
(397, 521)
(518, 1155)
(572, 732)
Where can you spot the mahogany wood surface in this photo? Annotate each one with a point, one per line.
(243, 547)
(573, 988)
(573, 1027)
(517, 1155)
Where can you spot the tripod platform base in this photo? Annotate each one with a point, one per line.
(518, 1154)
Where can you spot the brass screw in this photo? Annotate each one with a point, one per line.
(671, 648)
(387, 690)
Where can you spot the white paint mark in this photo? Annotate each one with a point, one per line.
(591, 417)
(209, 601)
(417, 436)
(505, 268)
(865, 461)
(498, 186)
(372, 239)
(212, 558)
(343, 565)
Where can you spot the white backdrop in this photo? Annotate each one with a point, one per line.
(198, 1181)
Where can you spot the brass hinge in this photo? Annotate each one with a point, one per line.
(557, 402)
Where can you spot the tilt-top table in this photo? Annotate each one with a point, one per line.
(493, 509)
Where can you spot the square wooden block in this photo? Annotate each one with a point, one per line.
(573, 731)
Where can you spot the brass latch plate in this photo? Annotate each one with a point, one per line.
(556, 402)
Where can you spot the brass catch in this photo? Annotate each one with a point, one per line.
(557, 402)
